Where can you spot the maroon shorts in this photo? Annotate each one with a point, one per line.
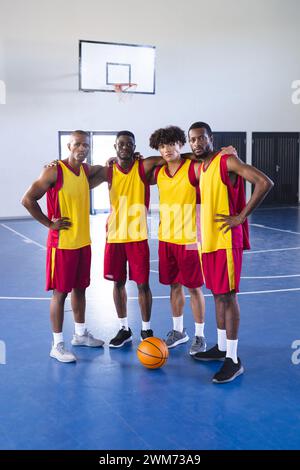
(116, 256)
(179, 264)
(68, 269)
(222, 270)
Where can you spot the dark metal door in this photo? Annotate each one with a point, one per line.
(277, 155)
(237, 139)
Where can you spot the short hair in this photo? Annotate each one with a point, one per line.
(167, 135)
(199, 124)
(79, 132)
(130, 134)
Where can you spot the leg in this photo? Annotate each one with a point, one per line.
(228, 314)
(197, 304)
(57, 310)
(232, 367)
(78, 305)
(178, 335)
(58, 350)
(145, 301)
(120, 298)
(198, 307)
(177, 299)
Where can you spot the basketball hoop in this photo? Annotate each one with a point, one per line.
(124, 90)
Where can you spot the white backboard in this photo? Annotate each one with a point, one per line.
(104, 64)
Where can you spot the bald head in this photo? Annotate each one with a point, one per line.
(79, 133)
(79, 145)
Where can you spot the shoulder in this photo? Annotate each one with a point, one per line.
(50, 173)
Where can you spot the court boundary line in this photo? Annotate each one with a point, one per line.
(292, 289)
(273, 228)
(26, 239)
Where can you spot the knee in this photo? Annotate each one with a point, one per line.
(60, 296)
(226, 299)
(143, 288)
(176, 287)
(195, 292)
(119, 285)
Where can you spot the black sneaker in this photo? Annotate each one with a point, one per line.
(212, 354)
(123, 336)
(146, 334)
(229, 371)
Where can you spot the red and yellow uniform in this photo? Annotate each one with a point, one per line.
(178, 255)
(221, 252)
(69, 251)
(127, 233)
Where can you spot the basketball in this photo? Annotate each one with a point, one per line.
(152, 352)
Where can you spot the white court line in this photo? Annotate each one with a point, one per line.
(255, 277)
(270, 277)
(272, 228)
(162, 296)
(26, 239)
(273, 249)
(250, 252)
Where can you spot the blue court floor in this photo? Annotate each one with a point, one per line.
(107, 400)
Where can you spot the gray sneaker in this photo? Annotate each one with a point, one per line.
(175, 337)
(87, 339)
(61, 354)
(198, 345)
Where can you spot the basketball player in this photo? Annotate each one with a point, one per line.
(127, 237)
(179, 263)
(224, 235)
(68, 246)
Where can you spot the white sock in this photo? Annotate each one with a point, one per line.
(178, 323)
(145, 325)
(199, 329)
(57, 338)
(79, 329)
(232, 345)
(222, 340)
(124, 323)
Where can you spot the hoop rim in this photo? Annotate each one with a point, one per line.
(123, 87)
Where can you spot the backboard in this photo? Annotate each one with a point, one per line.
(102, 65)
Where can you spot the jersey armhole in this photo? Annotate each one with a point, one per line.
(142, 172)
(192, 175)
(156, 171)
(110, 174)
(59, 179)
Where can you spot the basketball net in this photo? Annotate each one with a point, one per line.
(124, 91)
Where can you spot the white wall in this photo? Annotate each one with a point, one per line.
(230, 63)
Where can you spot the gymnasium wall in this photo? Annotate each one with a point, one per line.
(230, 63)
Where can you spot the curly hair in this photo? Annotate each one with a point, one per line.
(167, 135)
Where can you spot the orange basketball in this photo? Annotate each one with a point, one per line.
(152, 352)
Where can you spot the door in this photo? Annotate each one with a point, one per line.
(237, 139)
(277, 155)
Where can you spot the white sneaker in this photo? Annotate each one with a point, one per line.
(87, 339)
(61, 354)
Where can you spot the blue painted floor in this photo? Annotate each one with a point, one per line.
(108, 400)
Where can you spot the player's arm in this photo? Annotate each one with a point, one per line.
(262, 185)
(97, 175)
(150, 164)
(230, 150)
(36, 191)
